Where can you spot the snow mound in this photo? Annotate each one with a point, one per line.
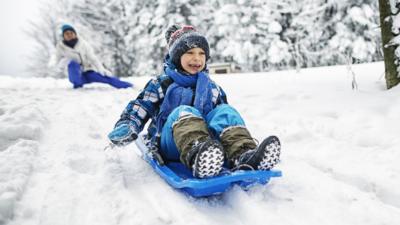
(17, 162)
(22, 126)
(20, 122)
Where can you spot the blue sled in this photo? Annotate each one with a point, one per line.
(180, 177)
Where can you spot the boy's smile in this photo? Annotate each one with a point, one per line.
(195, 66)
(194, 60)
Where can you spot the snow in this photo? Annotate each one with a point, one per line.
(274, 27)
(393, 7)
(360, 49)
(278, 51)
(358, 15)
(339, 159)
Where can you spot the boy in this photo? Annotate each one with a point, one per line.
(191, 120)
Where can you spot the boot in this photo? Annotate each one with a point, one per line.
(198, 151)
(206, 158)
(264, 157)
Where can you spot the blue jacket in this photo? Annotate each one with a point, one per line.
(147, 105)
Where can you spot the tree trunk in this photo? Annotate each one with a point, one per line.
(388, 51)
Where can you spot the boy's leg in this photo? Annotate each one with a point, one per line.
(183, 127)
(242, 151)
(227, 124)
(93, 76)
(185, 136)
(75, 74)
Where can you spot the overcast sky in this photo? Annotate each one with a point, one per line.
(14, 44)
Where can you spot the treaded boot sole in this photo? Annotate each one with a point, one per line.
(272, 153)
(209, 160)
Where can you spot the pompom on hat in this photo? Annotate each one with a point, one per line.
(182, 39)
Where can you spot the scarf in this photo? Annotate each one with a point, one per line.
(183, 90)
(71, 43)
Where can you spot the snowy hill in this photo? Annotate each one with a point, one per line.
(339, 161)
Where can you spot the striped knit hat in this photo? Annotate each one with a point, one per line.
(182, 39)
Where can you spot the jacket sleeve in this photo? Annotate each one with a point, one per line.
(144, 107)
(93, 58)
(221, 98)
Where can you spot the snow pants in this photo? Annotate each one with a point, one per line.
(78, 78)
(185, 124)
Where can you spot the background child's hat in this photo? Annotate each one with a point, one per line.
(66, 27)
(181, 39)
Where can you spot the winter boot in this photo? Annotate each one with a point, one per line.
(264, 157)
(206, 158)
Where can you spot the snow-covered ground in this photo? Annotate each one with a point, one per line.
(340, 156)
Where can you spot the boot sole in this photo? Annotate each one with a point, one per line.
(209, 161)
(272, 153)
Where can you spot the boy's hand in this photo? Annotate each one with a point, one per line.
(122, 134)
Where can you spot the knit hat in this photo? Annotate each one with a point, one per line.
(182, 39)
(67, 27)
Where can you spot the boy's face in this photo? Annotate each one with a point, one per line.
(194, 60)
(69, 35)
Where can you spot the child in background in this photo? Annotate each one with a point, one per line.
(83, 65)
(191, 118)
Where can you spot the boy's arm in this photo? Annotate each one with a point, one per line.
(136, 114)
(222, 99)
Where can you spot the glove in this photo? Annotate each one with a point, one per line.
(122, 134)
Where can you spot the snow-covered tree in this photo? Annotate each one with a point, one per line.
(390, 30)
(128, 35)
(132, 32)
(45, 31)
(328, 32)
(153, 20)
(110, 28)
(356, 35)
(248, 33)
